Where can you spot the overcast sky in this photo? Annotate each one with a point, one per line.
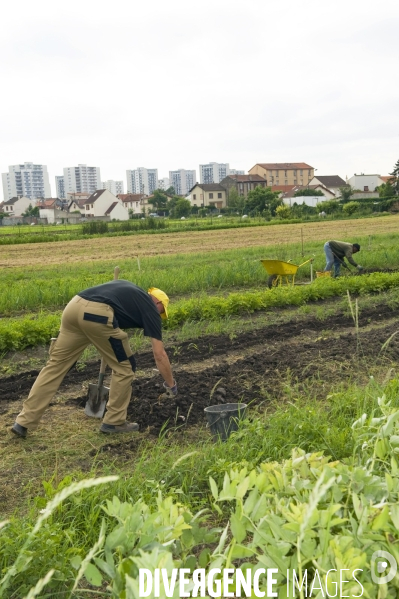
(173, 84)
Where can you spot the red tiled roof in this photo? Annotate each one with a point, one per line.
(130, 197)
(282, 187)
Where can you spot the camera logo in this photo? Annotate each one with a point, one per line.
(380, 560)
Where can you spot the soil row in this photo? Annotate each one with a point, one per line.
(251, 367)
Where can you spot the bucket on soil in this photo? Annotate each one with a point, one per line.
(327, 273)
(223, 419)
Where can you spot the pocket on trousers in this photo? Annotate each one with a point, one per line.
(95, 318)
(118, 349)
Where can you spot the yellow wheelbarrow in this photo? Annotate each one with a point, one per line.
(280, 272)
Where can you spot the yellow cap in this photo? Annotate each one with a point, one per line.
(162, 297)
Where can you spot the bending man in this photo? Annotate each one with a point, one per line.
(336, 252)
(97, 315)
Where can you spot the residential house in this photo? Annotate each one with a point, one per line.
(366, 183)
(289, 198)
(284, 173)
(208, 194)
(100, 201)
(55, 214)
(49, 203)
(242, 183)
(77, 195)
(17, 206)
(332, 182)
(132, 201)
(76, 205)
(117, 211)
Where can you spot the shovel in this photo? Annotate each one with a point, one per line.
(98, 394)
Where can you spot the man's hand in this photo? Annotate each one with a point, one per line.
(170, 392)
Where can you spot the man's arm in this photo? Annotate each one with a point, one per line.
(162, 361)
(348, 255)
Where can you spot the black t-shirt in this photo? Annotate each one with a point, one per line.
(133, 307)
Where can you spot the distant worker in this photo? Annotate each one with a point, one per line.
(97, 315)
(336, 252)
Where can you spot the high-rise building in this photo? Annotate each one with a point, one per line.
(164, 183)
(234, 171)
(60, 187)
(142, 180)
(28, 180)
(114, 187)
(182, 181)
(82, 179)
(213, 172)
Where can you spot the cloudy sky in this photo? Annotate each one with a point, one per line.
(173, 84)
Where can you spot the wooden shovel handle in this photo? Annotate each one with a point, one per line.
(116, 273)
(103, 366)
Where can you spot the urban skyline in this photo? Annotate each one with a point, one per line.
(83, 178)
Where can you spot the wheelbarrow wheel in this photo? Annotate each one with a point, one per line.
(272, 281)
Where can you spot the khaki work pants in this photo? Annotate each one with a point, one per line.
(83, 322)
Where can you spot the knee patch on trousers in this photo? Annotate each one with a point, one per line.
(118, 349)
(132, 362)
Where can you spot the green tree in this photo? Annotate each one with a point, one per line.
(283, 211)
(350, 208)
(308, 192)
(159, 200)
(31, 211)
(386, 190)
(330, 206)
(170, 191)
(181, 208)
(263, 199)
(236, 202)
(395, 180)
(346, 193)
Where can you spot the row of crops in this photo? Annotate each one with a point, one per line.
(202, 286)
(31, 330)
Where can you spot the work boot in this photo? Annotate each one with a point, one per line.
(111, 429)
(19, 430)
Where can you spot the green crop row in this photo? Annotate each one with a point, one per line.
(31, 330)
(23, 289)
(320, 519)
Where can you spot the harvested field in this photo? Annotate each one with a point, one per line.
(117, 248)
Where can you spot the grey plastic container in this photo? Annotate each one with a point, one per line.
(223, 419)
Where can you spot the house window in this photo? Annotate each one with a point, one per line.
(92, 206)
(194, 196)
(366, 188)
(285, 173)
(211, 196)
(219, 195)
(294, 173)
(301, 173)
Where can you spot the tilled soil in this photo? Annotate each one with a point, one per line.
(250, 367)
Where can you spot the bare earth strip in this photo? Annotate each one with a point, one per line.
(87, 250)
